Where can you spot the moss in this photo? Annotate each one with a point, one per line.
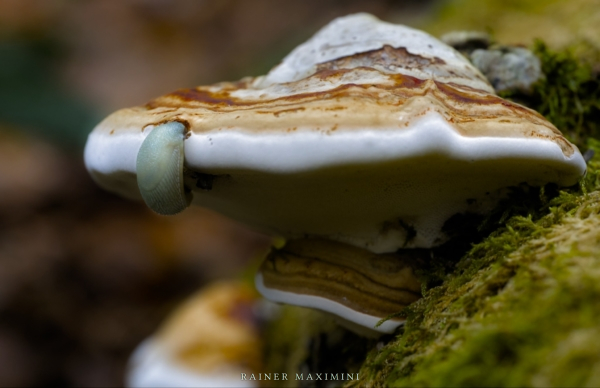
(569, 96)
(521, 307)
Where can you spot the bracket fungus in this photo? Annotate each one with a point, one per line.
(207, 342)
(370, 135)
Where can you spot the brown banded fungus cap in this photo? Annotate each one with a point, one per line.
(367, 134)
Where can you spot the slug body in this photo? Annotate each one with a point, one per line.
(159, 167)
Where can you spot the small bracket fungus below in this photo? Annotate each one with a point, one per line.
(370, 134)
(207, 342)
(357, 285)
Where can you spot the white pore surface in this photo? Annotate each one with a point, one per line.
(363, 32)
(317, 302)
(151, 366)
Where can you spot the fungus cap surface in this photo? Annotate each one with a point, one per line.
(348, 139)
(419, 54)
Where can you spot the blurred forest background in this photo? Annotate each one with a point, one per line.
(84, 275)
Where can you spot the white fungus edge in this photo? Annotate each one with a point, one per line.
(151, 366)
(307, 149)
(324, 304)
